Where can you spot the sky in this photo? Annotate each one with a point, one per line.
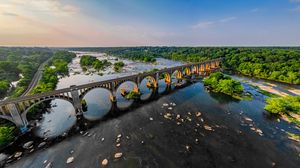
(101, 23)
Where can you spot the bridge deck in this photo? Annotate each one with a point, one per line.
(61, 91)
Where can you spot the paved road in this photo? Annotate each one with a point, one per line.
(37, 76)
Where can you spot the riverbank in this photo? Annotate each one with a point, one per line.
(170, 132)
(273, 87)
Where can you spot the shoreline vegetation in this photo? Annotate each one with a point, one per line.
(274, 63)
(288, 108)
(220, 83)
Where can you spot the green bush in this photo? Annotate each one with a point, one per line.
(219, 82)
(4, 86)
(283, 105)
(6, 134)
(118, 66)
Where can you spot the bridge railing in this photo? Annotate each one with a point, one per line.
(61, 91)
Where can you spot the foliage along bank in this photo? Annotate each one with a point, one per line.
(288, 107)
(218, 82)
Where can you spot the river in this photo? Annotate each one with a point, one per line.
(243, 132)
(55, 122)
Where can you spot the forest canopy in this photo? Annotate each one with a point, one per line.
(20, 63)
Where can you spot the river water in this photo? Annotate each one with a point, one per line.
(246, 116)
(61, 117)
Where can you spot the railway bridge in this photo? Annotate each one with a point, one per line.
(15, 110)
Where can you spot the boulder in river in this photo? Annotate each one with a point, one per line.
(165, 104)
(118, 155)
(208, 128)
(41, 144)
(28, 145)
(18, 154)
(104, 162)
(70, 160)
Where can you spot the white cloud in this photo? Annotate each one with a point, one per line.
(208, 24)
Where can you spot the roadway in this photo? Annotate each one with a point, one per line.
(36, 78)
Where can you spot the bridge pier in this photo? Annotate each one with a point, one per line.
(21, 122)
(76, 100)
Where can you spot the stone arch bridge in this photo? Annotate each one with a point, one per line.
(15, 110)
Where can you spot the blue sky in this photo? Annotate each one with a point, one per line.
(150, 22)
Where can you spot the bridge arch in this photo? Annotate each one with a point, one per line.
(127, 88)
(151, 81)
(81, 96)
(117, 84)
(24, 113)
(126, 94)
(195, 69)
(187, 71)
(177, 74)
(166, 76)
(96, 103)
(147, 87)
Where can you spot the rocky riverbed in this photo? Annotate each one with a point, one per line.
(187, 128)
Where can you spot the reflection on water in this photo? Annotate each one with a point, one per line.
(98, 103)
(223, 98)
(162, 86)
(57, 120)
(122, 102)
(146, 91)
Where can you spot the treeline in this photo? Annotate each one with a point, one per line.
(58, 66)
(274, 63)
(20, 60)
(132, 53)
